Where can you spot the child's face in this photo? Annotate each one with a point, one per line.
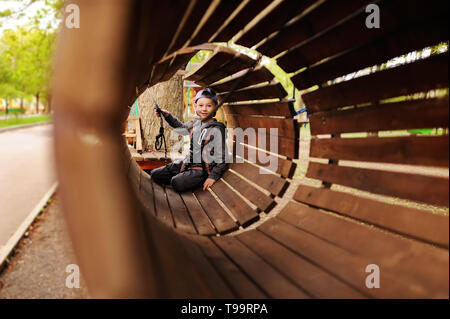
(204, 107)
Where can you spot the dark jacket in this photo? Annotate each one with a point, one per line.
(205, 138)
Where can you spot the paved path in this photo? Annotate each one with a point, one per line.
(26, 174)
(38, 268)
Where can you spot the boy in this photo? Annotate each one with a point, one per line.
(207, 138)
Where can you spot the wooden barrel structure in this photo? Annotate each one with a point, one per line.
(135, 238)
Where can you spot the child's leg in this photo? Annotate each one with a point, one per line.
(188, 180)
(163, 175)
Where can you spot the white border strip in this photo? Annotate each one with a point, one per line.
(6, 250)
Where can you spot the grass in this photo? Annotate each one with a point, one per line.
(24, 120)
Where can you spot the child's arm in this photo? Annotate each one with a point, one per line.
(174, 122)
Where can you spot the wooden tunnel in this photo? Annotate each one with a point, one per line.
(135, 238)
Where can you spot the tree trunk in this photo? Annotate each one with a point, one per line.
(37, 103)
(169, 96)
(21, 105)
(49, 104)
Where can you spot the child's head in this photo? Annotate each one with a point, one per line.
(205, 103)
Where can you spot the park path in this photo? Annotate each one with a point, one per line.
(26, 174)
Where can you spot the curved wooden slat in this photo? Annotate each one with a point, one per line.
(394, 44)
(258, 198)
(243, 213)
(235, 82)
(412, 114)
(223, 10)
(283, 108)
(218, 216)
(426, 189)
(240, 20)
(273, 21)
(416, 150)
(322, 16)
(352, 32)
(409, 221)
(424, 75)
(272, 90)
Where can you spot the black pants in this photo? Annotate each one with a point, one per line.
(180, 182)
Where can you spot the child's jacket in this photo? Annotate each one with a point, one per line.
(207, 149)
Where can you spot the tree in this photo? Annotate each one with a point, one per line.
(169, 96)
(26, 52)
(26, 59)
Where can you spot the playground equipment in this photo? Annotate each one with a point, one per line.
(134, 238)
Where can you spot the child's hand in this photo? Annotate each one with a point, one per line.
(164, 112)
(208, 183)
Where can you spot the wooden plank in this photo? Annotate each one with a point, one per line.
(353, 33)
(408, 221)
(324, 15)
(273, 21)
(241, 285)
(427, 113)
(195, 12)
(239, 63)
(243, 213)
(317, 282)
(285, 146)
(218, 216)
(424, 75)
(134, 176)
(179, 212)
(273, 183)
(273, 90)
(178, 62)
(413, 150)
(167, 22)
(287, 128)
(167, 251)
(147, 198)
(250, 10)
(401, 42)
(282, 108)
(158, 71)
(284, 167)
(426, 189)
(409, 257)
(267, 277)
(243, 79)
(205, 270)
(223, 10)
(162, 207)
(200, 219)
(399, 280)
(258, 198)
(220, 57)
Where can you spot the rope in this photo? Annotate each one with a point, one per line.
(160, 138)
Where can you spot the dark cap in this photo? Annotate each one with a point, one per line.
(208, 93)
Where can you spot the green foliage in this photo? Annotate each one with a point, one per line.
(26, 52)
(24, 120)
